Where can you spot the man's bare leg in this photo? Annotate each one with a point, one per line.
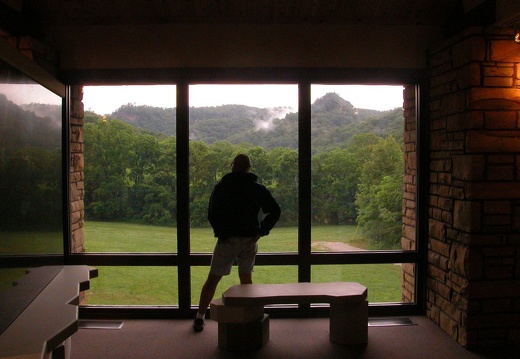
(207, 293)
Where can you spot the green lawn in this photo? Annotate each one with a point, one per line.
(158, 285)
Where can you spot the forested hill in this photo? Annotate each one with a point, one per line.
(334, 121)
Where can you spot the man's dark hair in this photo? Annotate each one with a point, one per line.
(241, 163)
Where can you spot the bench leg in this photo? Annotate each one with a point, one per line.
(237, 337)
(349, 323)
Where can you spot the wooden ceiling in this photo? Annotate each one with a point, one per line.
(33, 16)
(63, 12)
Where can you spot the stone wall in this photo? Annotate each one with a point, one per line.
(408, 240)
(77, 167)
(473, 278)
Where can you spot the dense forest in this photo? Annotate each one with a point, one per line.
(357, 163)
(30, 166)
(334, 122)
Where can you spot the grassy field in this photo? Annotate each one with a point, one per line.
(158, 285)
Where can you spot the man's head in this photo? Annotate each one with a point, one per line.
(241, 163)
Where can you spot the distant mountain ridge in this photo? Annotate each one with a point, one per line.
(334, 120)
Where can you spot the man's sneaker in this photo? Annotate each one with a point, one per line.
(198, 324)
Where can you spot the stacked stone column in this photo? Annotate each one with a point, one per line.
(77, 168)
(473, 278)
(408, 240)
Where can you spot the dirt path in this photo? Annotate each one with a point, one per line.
(334, 247)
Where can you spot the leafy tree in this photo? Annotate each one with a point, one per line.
(201, 184)
(284, 164)
(163, 181)
(380, 194)
(152, 119)
(334, 187)
(108, 149)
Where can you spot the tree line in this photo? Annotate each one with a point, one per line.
(334, 122)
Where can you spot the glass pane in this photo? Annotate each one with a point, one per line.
(115, 237)
(31, 201)
(130, 169)
(383, 281)
(357, 167)
(257, 120)
(121, 285)
(261, 275)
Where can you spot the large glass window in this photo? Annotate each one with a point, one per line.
(130, 190)
(382, 280)
(260, 121)
(356, 175)
(31, 187)
(130, 173)
(357, 167)
(132, 285)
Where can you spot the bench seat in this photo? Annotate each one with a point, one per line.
(299, 293)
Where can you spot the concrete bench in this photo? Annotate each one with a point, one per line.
(40, 313)
(244, 326)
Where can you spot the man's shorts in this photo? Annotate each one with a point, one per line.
(241, 249)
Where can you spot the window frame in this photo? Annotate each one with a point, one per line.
(304, 258)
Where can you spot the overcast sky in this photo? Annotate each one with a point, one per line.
(24, 94)
(106, 99)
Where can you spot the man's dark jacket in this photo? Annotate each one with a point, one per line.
(238, 204)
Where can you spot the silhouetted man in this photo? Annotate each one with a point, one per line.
(241, 210)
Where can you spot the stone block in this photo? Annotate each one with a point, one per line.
(466, 216)
(448, 325)
(500, 173)
(241, 337)
(493, 141)
(349, 323)
(504, 51)
(498, 81)
(458, 260)
(493, 190)
(497, 207)
(500, 120)
(77, 109)
(234, 314)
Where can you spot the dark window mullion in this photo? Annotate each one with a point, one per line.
(65, 157)
(183, 206)
(304, 181)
